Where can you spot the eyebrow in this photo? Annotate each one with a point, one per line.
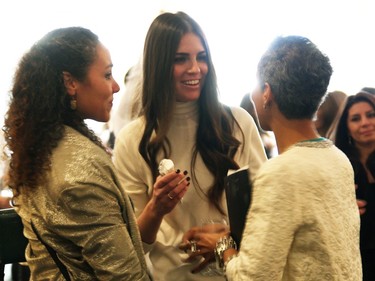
(109, 65)
(187, 54)
(358, 114)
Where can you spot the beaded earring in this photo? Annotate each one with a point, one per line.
(73, 103)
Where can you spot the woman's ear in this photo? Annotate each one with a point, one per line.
(267, 96)
(70, 83)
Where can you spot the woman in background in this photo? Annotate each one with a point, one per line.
(267, 138)
(184, 121)
(65, 186)
(355, 136)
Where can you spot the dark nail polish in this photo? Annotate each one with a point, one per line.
(188, 178)
(185, 172)
(178, 171)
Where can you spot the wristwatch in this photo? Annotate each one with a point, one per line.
(223, 244)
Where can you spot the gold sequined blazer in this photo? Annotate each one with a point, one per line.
(83, 213)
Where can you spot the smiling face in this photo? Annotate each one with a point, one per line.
(95, 94)
(361, 123)
(190, 68)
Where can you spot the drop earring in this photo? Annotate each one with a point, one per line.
(266, 106)
(350, 140)
(73, 103)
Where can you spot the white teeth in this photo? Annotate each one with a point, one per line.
(192, 82)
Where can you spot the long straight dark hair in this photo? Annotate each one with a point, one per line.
(215, 141)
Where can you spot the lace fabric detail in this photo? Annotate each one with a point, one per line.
(303, 223)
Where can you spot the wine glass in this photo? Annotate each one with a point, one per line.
(212, 225)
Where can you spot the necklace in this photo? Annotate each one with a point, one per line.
(315, 140)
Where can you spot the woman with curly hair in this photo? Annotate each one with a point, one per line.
(66, 189)
(183, 120)
(355, 136)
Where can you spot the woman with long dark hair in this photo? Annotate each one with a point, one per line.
(183, 120)
(355, 136)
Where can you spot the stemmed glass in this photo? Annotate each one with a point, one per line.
(212, 225)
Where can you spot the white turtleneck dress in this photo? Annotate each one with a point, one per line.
(135, 176)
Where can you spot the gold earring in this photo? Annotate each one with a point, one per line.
(73, 103)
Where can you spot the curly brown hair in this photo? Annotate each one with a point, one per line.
(39, 104)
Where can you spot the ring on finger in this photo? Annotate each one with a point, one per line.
(170, 196)
(193, 246)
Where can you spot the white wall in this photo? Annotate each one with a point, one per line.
(238, 32)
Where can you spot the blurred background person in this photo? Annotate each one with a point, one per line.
(130, 100)
(327, 112)
(369, 90)
(355, 136)
(268, 138)
(128, 107)
(5, 192)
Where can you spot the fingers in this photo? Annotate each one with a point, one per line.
(189, 243)
(190, 247)
(168, 191)
(165, 180)
(179, 190)
(201, 266)
(198, 245)
(201, 252)
(189, 235)
(173, 185)
(203, 239)
(361, 203)
(361, 206)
